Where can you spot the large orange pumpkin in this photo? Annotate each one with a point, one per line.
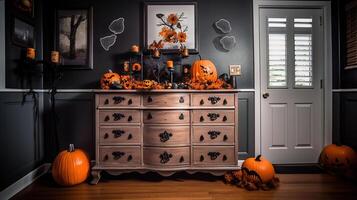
(70, 167)
(338, 158)
(108, 79)
(258, 167)
(203, 71)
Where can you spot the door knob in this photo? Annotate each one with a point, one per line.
(265, 95)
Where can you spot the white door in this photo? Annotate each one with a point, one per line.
(291, 77)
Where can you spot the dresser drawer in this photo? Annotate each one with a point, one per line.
(166, 135)
(214, 155)
(120, 134)
(118, 100)
(166, 117)
(120, 156)
(166, 156)
(213, 116)
(119, 116)
(213, 135)
(213, 99)
(166, 100)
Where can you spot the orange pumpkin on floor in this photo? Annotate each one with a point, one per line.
(338, 158)
(70, 167)
(258, 167)
(108, 79)
(203, 71)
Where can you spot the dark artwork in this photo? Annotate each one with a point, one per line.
(23, 34)
(24, 7)
(74, 40)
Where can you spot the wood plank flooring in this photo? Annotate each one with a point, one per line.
(195, 187)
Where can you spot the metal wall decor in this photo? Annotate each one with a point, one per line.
(117, 27)
(223, 25)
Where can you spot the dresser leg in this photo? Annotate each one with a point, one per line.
(95, 177)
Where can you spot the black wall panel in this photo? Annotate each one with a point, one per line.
(21, 145)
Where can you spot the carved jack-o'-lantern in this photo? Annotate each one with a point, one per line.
(203, 70)
(338, 158)
(147, 84)
(125, 78)
(108, 79)
(136, 67)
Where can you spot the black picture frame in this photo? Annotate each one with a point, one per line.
(69, 57)
(24, 8)
(146, 25)
(22, 33)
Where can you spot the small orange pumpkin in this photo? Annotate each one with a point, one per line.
(203, 70)
(260, 168)
(70, 167)
(228, 177)
(128, 85)
(136, 67)
(338, 158)
(108, 79)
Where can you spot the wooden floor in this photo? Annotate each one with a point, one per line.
(196, 187)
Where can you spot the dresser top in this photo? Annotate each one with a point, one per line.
(168, 91)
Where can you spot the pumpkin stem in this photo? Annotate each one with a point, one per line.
(71, 148)
(110, 71)
(258, 158)
(199, 55)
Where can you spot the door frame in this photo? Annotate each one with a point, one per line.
(327, 70)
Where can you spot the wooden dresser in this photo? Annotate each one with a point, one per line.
(166, 131)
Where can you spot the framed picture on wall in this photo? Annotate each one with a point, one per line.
(24, 7)
(170, 26)
(74, 38)
(23, 33)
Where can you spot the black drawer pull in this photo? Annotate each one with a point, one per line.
(202, 138)
(118, 116)
(202, 102)
(130, 102)
(214, 99)
(213, 134)
(118, 99)
(213, 155)
(130, 118)
(225, 102)
(181, 117)
(202, 158)
(149, 99)
(130, 157)
(106, 101)
(213, 116)
(106, 135)
(118, 133)
(202, 119)
(225, 138)
(107, 118)
(118, 154)
(165, 136)
(224, 118)
(130, 136)
(165, 157)
(182, 159)
(105, 157)
(224, 158)
(182, 100)
(149, 116)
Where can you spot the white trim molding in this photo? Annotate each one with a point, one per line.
(25, 181)
(344, 90)
(327, 99)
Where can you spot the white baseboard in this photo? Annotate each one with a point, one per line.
(25, 181)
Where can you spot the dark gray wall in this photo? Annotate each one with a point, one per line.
(21, 137)
(239, 12)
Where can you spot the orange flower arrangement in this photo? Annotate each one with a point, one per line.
(181, 36)
(172, 19)
(172, 31)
